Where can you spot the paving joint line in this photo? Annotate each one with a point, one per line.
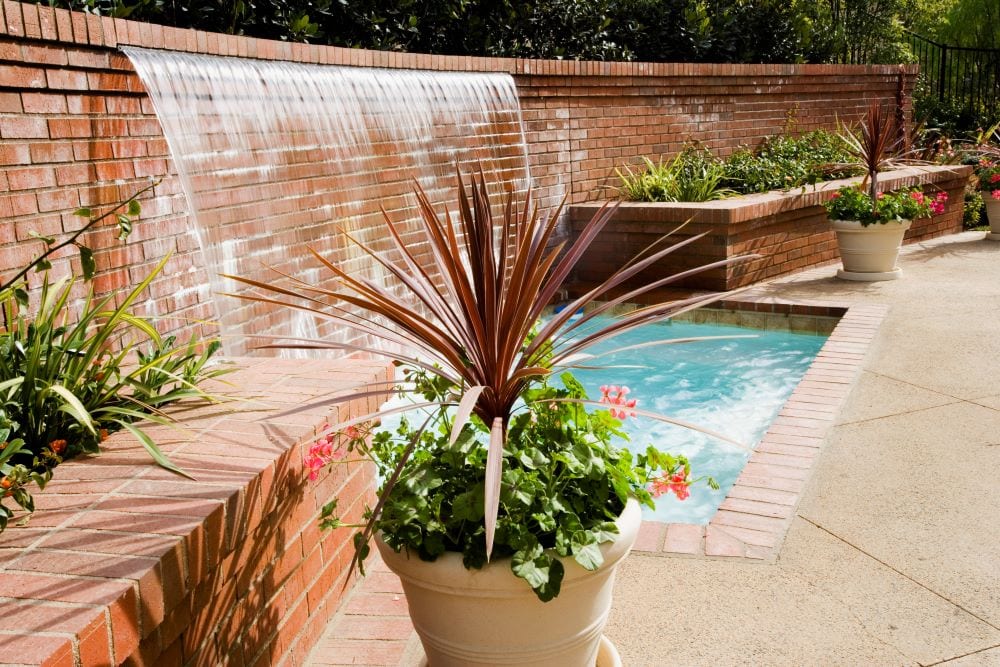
(959, 657)
(935, 391)
(900, 573)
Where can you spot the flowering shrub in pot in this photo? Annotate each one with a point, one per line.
(987, 178)
(498, 473)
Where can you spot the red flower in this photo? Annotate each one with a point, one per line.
(995, 178)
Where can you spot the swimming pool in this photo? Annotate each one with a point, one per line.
(735, 387)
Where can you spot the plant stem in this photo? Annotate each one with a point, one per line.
(72, 239)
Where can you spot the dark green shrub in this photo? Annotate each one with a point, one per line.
(973, 209)
(783, 161)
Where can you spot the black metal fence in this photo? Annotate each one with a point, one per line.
(967, 78)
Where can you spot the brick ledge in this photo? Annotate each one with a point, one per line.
(125, 561)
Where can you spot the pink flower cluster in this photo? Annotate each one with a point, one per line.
(614, 396)
(677, 484)
(936, 205)
(995, 194)
(324, 450)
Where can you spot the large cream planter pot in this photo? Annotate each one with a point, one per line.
(491, 617)
(869, 253)
(993, 214)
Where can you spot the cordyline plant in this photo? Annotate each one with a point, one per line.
(876, 145)
(478, 344)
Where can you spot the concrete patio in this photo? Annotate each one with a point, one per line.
(891, 557)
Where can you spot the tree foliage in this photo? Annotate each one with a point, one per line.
(651, 30)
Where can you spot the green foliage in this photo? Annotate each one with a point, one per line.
(476, 313)
(786, 161)
(973, 209)
(867, 31)
(970, 23)
(693, 175)
(564, 484)
(854, 203)
(721, 31)
(653, 30)
(778, 162)
(66, 380)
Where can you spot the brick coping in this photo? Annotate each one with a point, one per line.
(744, 208)
(59, 25)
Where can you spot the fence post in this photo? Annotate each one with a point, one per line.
(941, 71)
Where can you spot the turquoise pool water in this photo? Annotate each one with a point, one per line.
(735, 387)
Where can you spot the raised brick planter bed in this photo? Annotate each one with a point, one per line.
(789, 230)
(124, 561)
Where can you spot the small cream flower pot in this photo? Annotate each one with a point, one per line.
(491, 617)
(869, 253)
(993, 213)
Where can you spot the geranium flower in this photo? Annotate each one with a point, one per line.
(614, 396)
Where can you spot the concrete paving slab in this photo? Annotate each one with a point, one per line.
(879, 396)
(823, 603)
(968, 370)
(903, 489)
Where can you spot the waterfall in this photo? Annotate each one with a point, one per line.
(274, 157)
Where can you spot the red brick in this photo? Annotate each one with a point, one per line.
(31, 178)
(15, 20)
(66, 79)
(43, 103)
(124, 615)
(23, 127)
(15, 76)
(95, 643)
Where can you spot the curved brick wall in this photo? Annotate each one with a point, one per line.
(76, 129)
(126, 562)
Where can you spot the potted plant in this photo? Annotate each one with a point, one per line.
(870, 230)
(869, 224)
(987, 172)
(504, 504)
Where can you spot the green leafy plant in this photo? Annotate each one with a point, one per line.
(124, 215)
(784, 161)
(691, 176)
(973, 208)
(777, 163)
(524, 466)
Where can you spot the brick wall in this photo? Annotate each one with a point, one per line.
(77, 129)
(124, 562)
(789, 231)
